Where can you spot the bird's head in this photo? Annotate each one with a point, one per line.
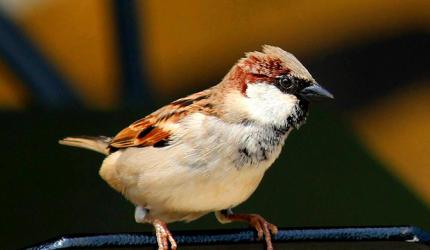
(273, 87)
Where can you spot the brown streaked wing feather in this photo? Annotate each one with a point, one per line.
(142, 133)
(152, 129)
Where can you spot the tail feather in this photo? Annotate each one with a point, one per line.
(96, 143)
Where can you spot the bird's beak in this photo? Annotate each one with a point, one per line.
(315, 93)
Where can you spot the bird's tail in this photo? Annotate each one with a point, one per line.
(97, 143)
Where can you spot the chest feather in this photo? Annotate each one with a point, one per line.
(261, 147)
(232, 144)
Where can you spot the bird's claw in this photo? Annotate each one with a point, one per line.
(263, 228)
(164, 236)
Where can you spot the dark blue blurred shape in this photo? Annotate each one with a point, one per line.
(134, 90)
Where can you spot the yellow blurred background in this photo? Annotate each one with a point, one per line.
(202, 38)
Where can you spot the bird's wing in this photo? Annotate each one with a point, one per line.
(155, 129)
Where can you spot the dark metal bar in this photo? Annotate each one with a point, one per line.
(402, 234)
(135, 91)
(46, 84)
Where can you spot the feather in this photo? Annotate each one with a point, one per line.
(156, 128)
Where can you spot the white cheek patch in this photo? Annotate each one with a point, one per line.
(267, 104)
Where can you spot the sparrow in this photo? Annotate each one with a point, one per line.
(208, 152)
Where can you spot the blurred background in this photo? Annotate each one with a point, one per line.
(94, 66)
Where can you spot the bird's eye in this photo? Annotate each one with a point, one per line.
(291, 84)
(289, 81)
(287, 84)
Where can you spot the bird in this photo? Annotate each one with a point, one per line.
(208, 152)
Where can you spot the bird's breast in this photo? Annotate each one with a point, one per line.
(225, 162)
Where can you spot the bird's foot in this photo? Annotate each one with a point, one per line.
(263, 227)
(163, 236)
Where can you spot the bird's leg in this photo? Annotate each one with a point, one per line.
(163, 235)
(259, 223)
(161, 231)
